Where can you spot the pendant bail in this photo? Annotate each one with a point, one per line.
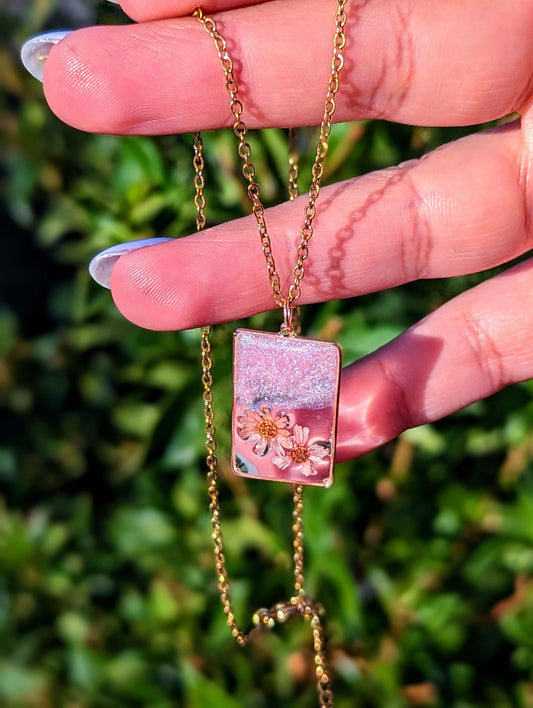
(287, 326)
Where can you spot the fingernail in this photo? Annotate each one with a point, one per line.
(101, 266)
(35, 51)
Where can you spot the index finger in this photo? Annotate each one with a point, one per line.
(423, 63)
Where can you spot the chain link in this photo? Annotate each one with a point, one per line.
(293, 166)
(300, 605)
(294, 191)
(199, 181)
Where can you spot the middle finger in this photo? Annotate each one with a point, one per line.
(460, 209)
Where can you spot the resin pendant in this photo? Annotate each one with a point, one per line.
(285, 398)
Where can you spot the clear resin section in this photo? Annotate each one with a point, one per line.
(285, 397)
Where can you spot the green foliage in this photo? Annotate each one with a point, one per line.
(421, 552)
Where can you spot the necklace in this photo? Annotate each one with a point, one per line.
(285, 386)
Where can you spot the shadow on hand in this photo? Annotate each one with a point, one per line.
(383, 394)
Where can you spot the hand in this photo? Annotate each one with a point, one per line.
(464, 208)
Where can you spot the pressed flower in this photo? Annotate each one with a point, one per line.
(265, 430)
(301, 454)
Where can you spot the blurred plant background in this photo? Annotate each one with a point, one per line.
(422, 552)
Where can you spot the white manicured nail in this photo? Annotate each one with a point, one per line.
(103, 263)
(35, 51)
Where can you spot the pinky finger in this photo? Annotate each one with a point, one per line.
(466, 350)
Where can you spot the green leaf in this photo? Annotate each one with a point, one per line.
(202, 692)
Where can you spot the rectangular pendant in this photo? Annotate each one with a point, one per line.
(285, 399)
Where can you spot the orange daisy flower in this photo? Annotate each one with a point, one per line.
(302, 455)
(265, 430)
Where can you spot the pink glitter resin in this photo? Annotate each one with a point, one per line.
(284, 407)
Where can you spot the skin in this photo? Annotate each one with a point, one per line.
(464, 208)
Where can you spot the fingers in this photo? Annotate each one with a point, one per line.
(468, 349)
(444, 215)
(408, 61)
(141, 11)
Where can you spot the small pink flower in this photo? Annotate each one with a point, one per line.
(303, 456)
(265, 430)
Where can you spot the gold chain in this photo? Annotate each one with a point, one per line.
(199, 181)
(281, 299)
(293, 166)
(294, 191)
(300, 604)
